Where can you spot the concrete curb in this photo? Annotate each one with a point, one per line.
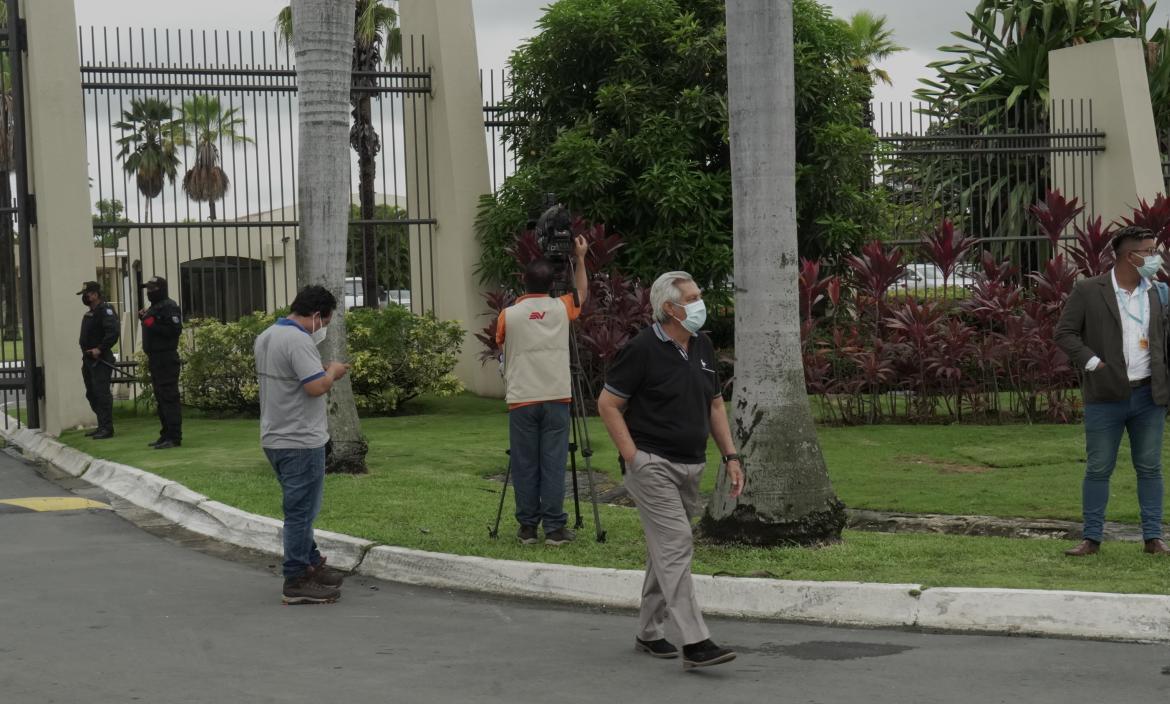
(1017, 611)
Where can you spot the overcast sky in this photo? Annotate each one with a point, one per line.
(920, 25)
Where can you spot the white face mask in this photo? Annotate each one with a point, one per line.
(696, 316)
(1150, 266)
(320, 335)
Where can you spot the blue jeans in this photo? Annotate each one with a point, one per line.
(539, 437)
(1143, 420)
(302, 480)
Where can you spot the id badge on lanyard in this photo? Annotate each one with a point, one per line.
(1144, 341)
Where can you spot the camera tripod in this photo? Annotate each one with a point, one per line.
(579, 437)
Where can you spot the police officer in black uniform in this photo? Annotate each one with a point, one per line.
(99, 334)
(162, 323)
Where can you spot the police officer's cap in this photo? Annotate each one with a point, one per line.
(90, 287)
(155, 283)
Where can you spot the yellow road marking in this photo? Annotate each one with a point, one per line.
(54, 503)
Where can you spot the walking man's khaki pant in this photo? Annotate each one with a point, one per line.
(667, 494)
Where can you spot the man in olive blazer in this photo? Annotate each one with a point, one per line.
(1113, 330)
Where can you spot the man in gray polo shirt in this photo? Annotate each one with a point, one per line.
(294, 431)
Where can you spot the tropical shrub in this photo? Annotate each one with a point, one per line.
(872, 353)
(395, 354)
(219, 367)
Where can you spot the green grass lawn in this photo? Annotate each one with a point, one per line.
(427, 490)
(11, 351)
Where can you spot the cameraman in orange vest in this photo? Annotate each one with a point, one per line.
(534, 333)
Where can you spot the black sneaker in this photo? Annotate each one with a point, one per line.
(103, 434)
(705, 654)
(660, 648)
(168, 444)
(93, 432)
(303, 590)
(326, 576)
(527, 535)
(560, 536)
(155, 443)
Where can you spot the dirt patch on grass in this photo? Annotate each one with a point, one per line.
(943, 467)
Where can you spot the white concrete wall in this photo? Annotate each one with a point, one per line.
(458, 174)
(63, 255)
(1112, 74)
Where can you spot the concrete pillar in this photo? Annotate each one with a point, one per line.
(63, 256)
(454, 143)
(1111, 74)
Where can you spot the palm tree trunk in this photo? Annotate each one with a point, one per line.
(788, 497)
(9, 325)
(367, 174)
(365, 141)
(323, 38)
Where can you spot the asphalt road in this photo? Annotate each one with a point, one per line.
(97, 609)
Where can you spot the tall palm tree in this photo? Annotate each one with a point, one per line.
(205, 125)
(787, 497)
(323, 37)
(148, 151)
(873, 42)
(377, 38)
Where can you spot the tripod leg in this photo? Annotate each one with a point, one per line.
(577, 523)
(495, 531)
(587, 453)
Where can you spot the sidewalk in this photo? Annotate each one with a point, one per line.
(1032, 612)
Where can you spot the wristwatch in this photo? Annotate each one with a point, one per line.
(732, 456)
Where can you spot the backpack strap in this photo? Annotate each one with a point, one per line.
(1163, 293)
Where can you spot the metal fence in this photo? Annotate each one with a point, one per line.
(20, 378)
(192, 141)
(495, 87)
(981, 167)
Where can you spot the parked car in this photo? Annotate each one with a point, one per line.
(920, 277)
(355, 296)
(398, 297)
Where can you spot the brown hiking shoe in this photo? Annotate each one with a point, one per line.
(303, 590)
(1087, 547)
(1156, 546)
(560, 536)
(326, 576)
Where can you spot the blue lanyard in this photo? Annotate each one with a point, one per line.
(1123, 302)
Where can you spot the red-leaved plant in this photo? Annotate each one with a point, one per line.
(1054, 214)
(946, 247)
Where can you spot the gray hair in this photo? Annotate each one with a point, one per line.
(665, 289)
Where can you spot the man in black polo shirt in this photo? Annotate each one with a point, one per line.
(661, 401)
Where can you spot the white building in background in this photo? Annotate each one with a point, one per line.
(222, 271)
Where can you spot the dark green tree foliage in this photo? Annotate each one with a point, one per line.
(625, 119)
(391, 243)
(835, 210)
(109, 211)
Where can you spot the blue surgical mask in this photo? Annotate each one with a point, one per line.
(1150, 267)
(696, 316)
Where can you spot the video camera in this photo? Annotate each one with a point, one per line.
(554, 231)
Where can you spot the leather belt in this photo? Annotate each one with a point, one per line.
(1139, 383)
